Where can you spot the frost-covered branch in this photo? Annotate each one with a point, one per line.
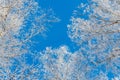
(20, 20)
(57, 63)
(95, 27)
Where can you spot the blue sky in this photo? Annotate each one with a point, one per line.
(57, 34)
(53, 51)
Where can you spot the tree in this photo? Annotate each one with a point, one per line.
(20, 20)
(95, 28)
(57, 63)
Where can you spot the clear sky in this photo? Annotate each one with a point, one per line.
(52, 54)
(57, 34)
